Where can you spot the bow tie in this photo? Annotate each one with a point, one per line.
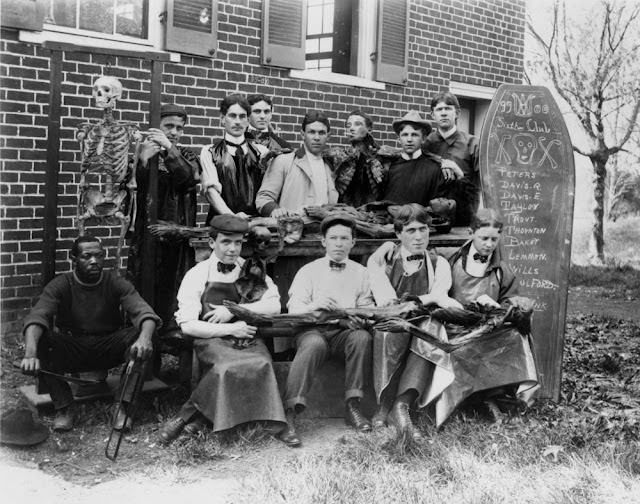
(337, 265)
(415, 257)
(236, 145)
(225, 268)
(480, 258)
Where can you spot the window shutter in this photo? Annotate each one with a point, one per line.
(23, 14)
(192, 26)
(393, 41)
(284, 32)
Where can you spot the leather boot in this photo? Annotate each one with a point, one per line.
(63, 421)
(379, 419)
(196, 425)
(171, 430)
(289, 436)
(354, 417)
(399, 417)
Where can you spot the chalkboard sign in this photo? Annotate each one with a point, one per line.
(527, 174)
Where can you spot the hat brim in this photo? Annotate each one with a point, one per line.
(37, 436)
(398, 124)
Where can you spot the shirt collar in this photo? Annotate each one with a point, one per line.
(232, 139)
(404, 253)
(415, 155)
(449, 133)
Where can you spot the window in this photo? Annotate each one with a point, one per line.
(108, 18)
(474, 104)
(362, 39)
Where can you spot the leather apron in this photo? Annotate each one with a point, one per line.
(237, 385)
(503, 360)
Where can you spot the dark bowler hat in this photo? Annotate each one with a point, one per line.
(338, 218)
(169, 109)
(18, 428)
(229, 224)
(412, 117)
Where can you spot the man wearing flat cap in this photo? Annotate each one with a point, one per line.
(330, 283)
(238, 383)
(178, 175)
(413, 177)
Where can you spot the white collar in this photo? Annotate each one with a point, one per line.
(310, 155)
(415, 155)
(448, 133)
(234, 140)
(253, 129)
(327, 259)
(404, 253)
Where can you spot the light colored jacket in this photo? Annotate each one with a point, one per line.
(288, 183)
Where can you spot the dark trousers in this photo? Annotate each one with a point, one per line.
(61, 352)
(314, 347)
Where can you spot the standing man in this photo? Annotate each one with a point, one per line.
(359, 173)
(459, 153)
(86, 305)
(330, 283)
(231, 173)
(301, 178)
(260, 127)
(413, 177)
(402, 369)
(178, 175)
(238, 383)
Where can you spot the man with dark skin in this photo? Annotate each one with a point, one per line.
(86, 304)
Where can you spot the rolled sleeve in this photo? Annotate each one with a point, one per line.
(268, 195)
(209, 171)
(190, 293)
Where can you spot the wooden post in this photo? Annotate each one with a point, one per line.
(50, 225)
(149, 264)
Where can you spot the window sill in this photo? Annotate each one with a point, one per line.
(68, 38)
(335, 78)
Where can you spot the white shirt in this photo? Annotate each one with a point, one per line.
(410, 267)
(448, 133)
(475, 268)
(210, 172)
(316, 280)
(194, 281)
(415, 155)
(319, 178)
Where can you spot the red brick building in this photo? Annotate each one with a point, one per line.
(382, 56)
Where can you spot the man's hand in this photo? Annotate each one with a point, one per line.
(158, 137)
(148, 150)
(354, 323)
(30, 366)
(280, 212)
(218, 314)
(327, 304)
(451, 170)
(243, 215)
(486, 300)
(242, 330)
(141, 349)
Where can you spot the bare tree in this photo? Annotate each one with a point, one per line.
(593, 63)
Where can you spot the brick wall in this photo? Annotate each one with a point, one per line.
(475, 42)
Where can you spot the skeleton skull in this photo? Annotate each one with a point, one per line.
(526, 145)
(259, 238)
(106, 90)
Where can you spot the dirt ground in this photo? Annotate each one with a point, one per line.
(71, 467)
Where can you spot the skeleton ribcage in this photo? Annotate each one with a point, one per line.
(107, 151)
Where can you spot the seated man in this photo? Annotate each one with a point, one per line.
(414, 177)
(231, 174)
(238, 383)
(87, 334)
(330, 283)
(260, 127)
(459, 153)
(359, 173)
(301, 178)
(401, 370)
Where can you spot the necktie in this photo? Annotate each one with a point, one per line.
(415, 257)
(480, 258)
(336, 265)
(225, 268)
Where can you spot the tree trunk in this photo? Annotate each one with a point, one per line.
(597, 232)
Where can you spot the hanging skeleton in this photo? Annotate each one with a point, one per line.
(105, 153)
